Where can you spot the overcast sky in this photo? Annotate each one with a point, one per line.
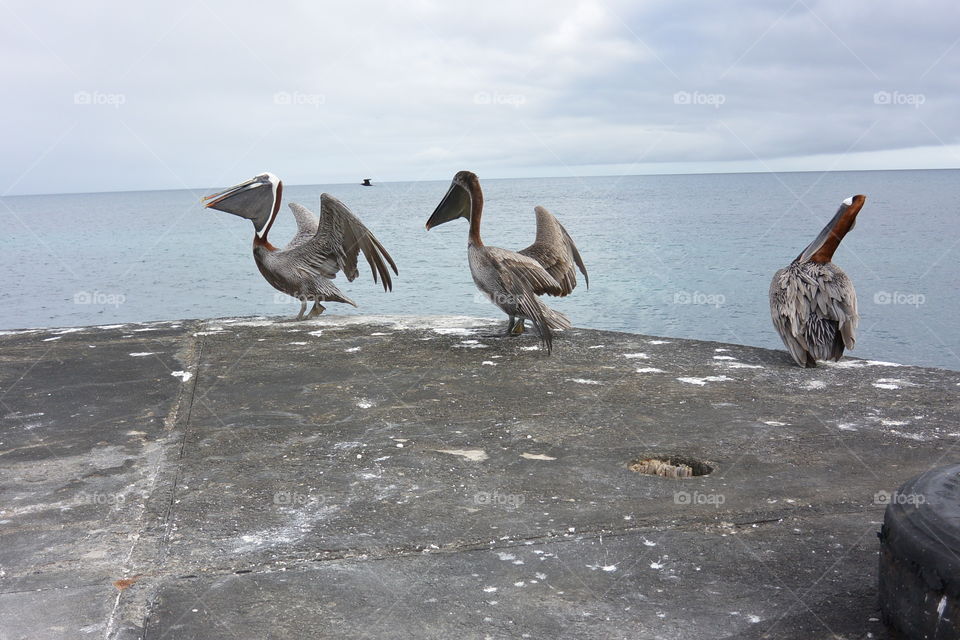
(102, 96)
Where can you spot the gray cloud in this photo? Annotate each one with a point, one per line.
(103, 97)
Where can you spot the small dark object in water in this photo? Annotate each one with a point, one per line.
(366, 182)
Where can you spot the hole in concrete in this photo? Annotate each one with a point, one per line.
(671, 467)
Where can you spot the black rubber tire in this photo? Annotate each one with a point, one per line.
(920, 557)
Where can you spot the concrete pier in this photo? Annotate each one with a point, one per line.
(401, 477)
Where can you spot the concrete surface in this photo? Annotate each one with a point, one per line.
(409, 478)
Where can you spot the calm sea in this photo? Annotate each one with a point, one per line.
(686, 255)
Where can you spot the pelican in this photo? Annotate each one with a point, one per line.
(305, 268)
(512, 280)
(812, 301)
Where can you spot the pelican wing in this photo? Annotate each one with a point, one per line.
(307, 223)
(517, 268)
(339, 239)
(556, 251)
(814, 309)
(521, 280)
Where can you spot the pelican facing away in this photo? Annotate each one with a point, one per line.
(305, 268)
(513, 279)
(812, 301)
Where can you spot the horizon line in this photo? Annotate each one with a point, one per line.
(612, 175)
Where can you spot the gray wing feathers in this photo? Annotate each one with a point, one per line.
(516, 264)
(555, 250)
(814, 309)
(307, 223)
(339, 238)
(514, 281)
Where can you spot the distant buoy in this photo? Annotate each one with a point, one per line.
(366, 182)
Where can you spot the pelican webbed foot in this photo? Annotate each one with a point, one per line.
(317, 310)
(515, 327)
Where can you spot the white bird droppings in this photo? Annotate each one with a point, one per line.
(857, 364)
(141, 354)
(474, 455)
(583, 381)
(812, 385)
(183, 375)
(536, 456)
(702, 381)
(649, 370)
(470, 344)
(641, 356)
(883, 383)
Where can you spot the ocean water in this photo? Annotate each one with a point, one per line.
(686, 256)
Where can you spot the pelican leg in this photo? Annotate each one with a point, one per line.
(514, 328)
(303, 308)
(317, 309)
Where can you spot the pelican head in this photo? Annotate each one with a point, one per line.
(459, 199)
(257, 200)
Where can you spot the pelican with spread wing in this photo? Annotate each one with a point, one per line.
(322, 247)
(812, 301)
(513, 280)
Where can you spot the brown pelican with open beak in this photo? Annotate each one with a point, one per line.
(812, 301)
(305, 268)
(513, 279)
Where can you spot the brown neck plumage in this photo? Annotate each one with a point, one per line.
(840, 229)
(476, 211)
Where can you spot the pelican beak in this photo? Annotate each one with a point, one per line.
(456, 204)
(211, 201)
(254, 199)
